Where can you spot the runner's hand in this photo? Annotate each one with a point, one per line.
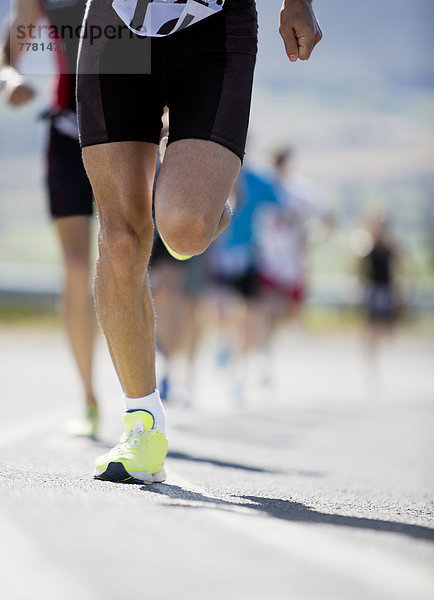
(16, 90)
(299, 29)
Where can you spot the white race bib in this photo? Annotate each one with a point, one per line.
(158, 18)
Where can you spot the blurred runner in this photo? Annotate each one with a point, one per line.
(283, 233)
(70, 194)
(198, 58)
(232, 264)
(380, 269)
(177, 290)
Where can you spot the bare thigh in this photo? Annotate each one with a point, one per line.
(195, 181)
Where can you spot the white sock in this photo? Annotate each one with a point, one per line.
(151, 403)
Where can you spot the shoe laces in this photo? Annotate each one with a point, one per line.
(135, 435)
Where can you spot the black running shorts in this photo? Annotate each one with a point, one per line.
(69, 190)
(204, 74)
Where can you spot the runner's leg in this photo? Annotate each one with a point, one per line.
(122, 175)
(79, 315)
(192, 191)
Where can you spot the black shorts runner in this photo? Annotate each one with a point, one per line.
(204, 74)
(245, 285)
(70, 193)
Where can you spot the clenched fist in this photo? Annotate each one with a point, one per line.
(16, 90)
(299, 29)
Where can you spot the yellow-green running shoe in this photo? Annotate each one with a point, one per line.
(139, 456)
(175, 254)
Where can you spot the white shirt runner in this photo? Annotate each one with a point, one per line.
(158, 18)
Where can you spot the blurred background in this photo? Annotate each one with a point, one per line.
(359, 121)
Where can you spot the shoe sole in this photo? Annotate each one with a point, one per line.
(117, 473)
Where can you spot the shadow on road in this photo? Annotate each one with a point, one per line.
(289, 511)
(231, 465)
(216, 462)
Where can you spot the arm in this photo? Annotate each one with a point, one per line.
(299, 29)
(17, 91)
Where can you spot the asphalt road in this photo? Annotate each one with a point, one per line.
(313, 489)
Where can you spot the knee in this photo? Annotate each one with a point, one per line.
(184, 231)
(124, 246)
